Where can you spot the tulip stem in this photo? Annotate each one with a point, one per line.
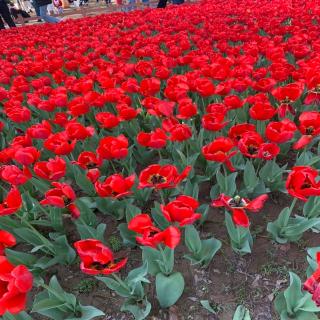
(162, 197)
(293, 204)
(121, 282)
(113, 167)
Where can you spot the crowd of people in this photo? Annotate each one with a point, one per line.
(9, 12)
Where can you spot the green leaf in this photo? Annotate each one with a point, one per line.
(293, 293)
(87, 214)
(87, 313)
(64, 252)
(128, 236)
(169, 288)
(152, 257)
(138, 275)
(40, 185)
(139, 310)
(47, 304)
(249, 176)
(82, 181)
(206, 305)
(192, 239)
(17, 258)
(115, 286)
(87, 232)
(242, 313)
(20, 316)
(311, 208)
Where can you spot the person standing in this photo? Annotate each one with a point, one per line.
(42, 4)
(36, 8)
(5, 15)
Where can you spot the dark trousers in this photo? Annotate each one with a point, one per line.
(162, 3)
(5, 14)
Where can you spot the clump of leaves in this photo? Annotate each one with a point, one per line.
(115, 243)
(86, 286)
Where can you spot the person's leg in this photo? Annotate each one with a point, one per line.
(44, 15)
(162, 4)
(1, 23)
(5, 13)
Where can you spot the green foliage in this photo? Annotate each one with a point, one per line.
(132, 289)
(169, 288)
(56, 304)
(241, 313)
(201, 251)
(292, 303)
(286, 228)
(240, 238)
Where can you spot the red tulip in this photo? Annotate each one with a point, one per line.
(204, 87)
(113, 147)
(281, 131)
(107, 120)
(250, 144)
(181, 210)
(88, 160)
(156, 139)
(233, 102)
(214, 121)
(53, 169)
(27, 155)
(219, 150)
(238, 205)
(15, 176)
(96, 258)
(287, 95)
(180, 132)
(152, 236)
(62, 196)
(161, 177)
(115, 186)
(309, 127)
(268, 151)
(262, 111)
(7, 240)
(15, 283)
(59, 143)
(11, 203)
(126, 113)
(237, 131)
(312, 284)
(40, 131)
(150, 86)
(302, 182)
(186, 109)
(76, 131)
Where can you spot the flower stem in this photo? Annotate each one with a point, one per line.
(121, 282)
(293, 204)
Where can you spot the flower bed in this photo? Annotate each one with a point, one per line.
(162, 163)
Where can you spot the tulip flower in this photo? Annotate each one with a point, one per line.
(238, 207)
(161, 177)
(96, 258)
(302, 182)
(15, 283)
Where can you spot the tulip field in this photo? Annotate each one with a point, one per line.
(162, 164)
